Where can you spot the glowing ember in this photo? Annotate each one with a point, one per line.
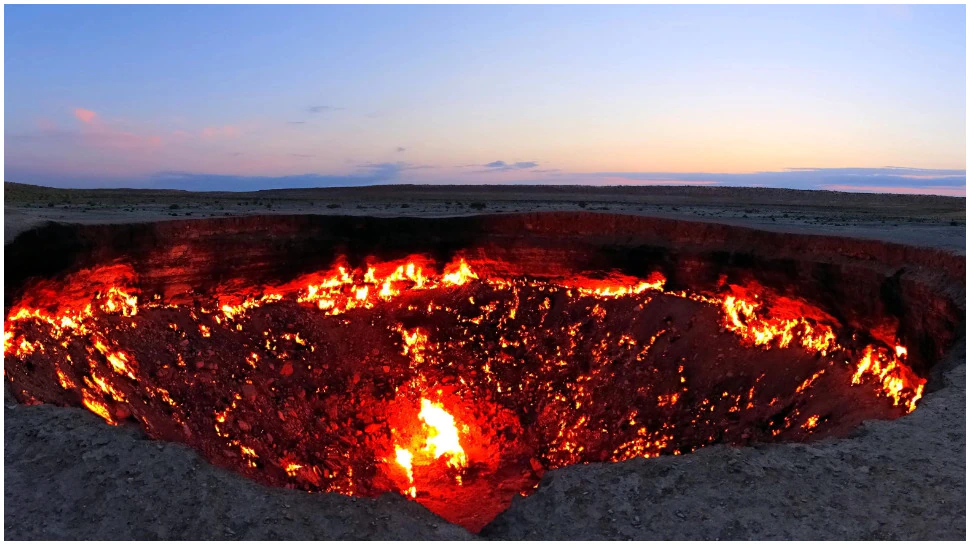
(454, 387)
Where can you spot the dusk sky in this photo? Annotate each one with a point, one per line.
(249, 97)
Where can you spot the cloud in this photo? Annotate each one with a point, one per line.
(398, 166)
(368, 174)
(496, 166)
(96, 131)
(86, 116)
(302, 155)
(525, 164)
(94, 135)
(295, 122)
(321, 109)
(883, 179)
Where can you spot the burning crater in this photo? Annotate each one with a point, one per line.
(454, 361)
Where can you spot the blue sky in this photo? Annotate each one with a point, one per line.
(242, 97)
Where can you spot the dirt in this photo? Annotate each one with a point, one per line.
(909, 219)
(68, 475)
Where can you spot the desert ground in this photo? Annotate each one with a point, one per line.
(908, 219)
(68, 475)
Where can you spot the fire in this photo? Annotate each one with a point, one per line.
(742, 318)
(438, 438)
(345, 289)
(898, 381)
(461, 276)
(96, 406)
(442, 434)
(403, 457)
(292, 374)
(119, 301)
(65, 382)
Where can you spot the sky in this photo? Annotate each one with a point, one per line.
(852, 98)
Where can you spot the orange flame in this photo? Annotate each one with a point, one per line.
(403, 458)
(443, 435)
(461, 276)
(440, 441)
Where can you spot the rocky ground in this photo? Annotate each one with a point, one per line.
(68, 475)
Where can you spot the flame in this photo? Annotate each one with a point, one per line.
(120, 301)
(65, 382)
(438, 438)
(442, 435)
(461, 276)
(742, 318)
(403, 457)
(96, 406)
(434, 438)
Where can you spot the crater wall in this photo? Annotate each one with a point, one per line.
(914, 293)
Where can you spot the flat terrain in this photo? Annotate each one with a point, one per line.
(68, 475)
(910, 219)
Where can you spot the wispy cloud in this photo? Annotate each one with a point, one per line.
(499, 166)
(86, 116)
(367, 174)
(884, 179)
(399, 166)
(94, 131)
(321, 109)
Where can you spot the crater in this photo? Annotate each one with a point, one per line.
(456, 360)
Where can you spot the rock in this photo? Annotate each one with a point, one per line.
(536, 465)
(248, 391)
